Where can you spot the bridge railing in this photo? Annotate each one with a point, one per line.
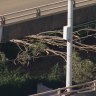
(37, 11)
(76, 89)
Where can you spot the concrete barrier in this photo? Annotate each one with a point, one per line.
(49, 22)
(1, 30)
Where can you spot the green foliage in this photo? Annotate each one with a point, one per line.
(2, 57)
(15, 77)
(15, 82)
(32, 51)
(91, 24)
(82, 69)
(38, 48)
(55, 73)
(11, 77)
(2, 62)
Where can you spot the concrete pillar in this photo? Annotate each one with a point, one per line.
(1, 31)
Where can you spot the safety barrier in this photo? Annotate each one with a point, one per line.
(75, 89)
(38, 11)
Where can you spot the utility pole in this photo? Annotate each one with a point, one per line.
(67, 35)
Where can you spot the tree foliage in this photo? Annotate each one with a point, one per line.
(82, 69)
(7, 76)
(52, 43)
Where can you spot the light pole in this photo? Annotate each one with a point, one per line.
(67, 35)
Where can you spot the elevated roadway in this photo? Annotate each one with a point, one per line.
(8, 6)
(19, 18)
(16, 10)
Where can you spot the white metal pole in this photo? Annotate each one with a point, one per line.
(69, 46)
(70, 13)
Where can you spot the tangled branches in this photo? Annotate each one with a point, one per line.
(52, 43)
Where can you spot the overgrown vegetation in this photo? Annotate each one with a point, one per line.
(56, 73)
(10, 76)
(83, 70)
(14, 82)
(49, 44)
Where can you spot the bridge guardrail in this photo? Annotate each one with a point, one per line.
(36, 11)
(76, 89)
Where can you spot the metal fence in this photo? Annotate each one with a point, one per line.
(38, 11)
(75, 89)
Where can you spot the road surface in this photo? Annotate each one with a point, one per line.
(7, 6)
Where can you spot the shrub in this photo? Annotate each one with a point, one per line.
(11, 77)
(38, 48)
(55, 73)
(82, 69)
(15, 82)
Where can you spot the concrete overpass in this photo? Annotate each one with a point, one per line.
(17, 10)
(15, 17)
